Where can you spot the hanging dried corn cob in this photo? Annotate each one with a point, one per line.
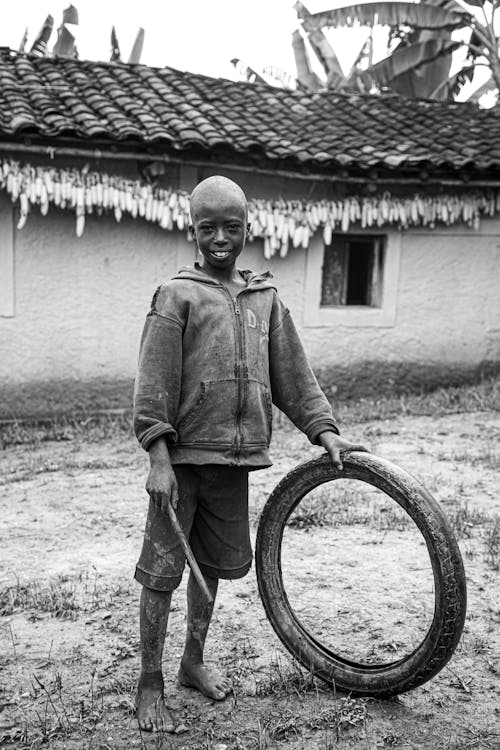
(282, 224)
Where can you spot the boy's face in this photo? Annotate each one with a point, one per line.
(220, 229)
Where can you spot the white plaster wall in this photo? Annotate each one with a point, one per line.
(6, 259)
(447, 305)
(81, 303)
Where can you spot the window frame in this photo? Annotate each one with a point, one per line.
(374, 269)
(384, 315)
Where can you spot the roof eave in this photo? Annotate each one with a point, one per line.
(417, 172)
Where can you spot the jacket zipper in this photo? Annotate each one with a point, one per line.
(241, 379)
(240, 375)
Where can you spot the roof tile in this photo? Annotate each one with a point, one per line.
(57, 96)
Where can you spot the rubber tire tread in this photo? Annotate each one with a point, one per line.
(441, 640)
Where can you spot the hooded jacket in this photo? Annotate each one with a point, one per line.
(211, 365)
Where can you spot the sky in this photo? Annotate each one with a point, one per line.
(197, 35)
(202, 36)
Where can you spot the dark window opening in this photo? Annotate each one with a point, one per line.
(352, 271)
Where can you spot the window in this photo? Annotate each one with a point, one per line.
(353, 281)
(352, 271)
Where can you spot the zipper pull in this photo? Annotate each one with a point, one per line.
(236, 308)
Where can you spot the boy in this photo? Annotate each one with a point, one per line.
(218, 348)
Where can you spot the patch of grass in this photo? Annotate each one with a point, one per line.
(465, 520)
(347, 508)
(489, 459)
(258, 500)
(334, 719)
(287, 678)
(470, 552)
(281, 725)
(159, 741)
(346, 713)
(491, 538)
(92, 429)
(34, 467)
(55, 715)
(482, 396)
(479, 644)
(478, 739)
(62, 597)
(312, 512)
(120, 685)
(106, 425)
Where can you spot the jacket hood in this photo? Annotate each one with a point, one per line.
(195, 273)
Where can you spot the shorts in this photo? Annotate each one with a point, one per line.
(213, 513)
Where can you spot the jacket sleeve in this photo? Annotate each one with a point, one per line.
(157, 384)
(294, 387)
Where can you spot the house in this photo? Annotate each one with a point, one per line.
(378, 216)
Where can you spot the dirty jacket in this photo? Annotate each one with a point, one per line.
(211, 365)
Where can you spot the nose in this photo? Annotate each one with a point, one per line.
(220, 236)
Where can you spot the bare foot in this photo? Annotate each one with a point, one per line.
(150, 707)
(208, 681)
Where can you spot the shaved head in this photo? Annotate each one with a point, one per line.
(217, 191)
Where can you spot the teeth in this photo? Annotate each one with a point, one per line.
(221, 254)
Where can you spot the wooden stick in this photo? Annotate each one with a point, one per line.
(188, 552)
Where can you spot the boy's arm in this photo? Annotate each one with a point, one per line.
(296, 391)
(294, 387)
(157, 384)
(161, 484)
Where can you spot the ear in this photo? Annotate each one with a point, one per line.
(248, 229)
(192, 231)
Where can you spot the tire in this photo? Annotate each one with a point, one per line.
(427, 659)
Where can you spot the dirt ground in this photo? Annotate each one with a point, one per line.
(356, 572)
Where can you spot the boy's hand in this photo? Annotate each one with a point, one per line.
(334, 445)
(161, 484)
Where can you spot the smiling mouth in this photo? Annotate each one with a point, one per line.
(220, 253)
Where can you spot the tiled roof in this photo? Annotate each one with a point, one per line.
(169, 110)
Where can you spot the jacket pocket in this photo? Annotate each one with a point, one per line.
(257, 415)
(213, 417)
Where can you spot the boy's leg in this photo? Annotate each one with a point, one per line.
(193, 672)
(159, 570)
(152, 713)
(220, 541)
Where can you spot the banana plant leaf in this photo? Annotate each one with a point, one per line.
(246, 71)
(136, 53)
(363, 54)
(485, 88)
(336, 78)
(305, 75)
(39, 46)
(65, 44)
(280, 76)
(70, 15)
(115, 47)
(325, 54)
(22, 43)
(428, 81)
(458, 81)
(323, 51)
(418, 15)
(446, 4)
(475, 44)
(406, 59)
